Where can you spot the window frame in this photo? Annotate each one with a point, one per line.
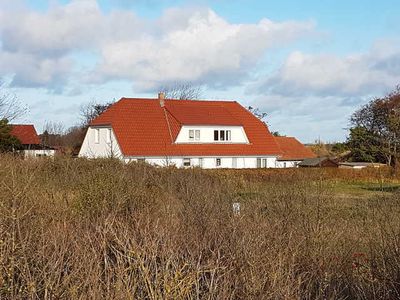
(201, 162)
(216, 135)
(191, 134)
(197, 135)
(218, 162)
(186, 162)
(222, 135)
(228, 135)
(259, 162)
(234, 162)
(264, 162)
(97, 135)
(108, 136)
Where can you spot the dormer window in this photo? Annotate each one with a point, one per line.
(194, 135)
(222, 135)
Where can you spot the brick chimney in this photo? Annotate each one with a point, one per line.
(161, 98)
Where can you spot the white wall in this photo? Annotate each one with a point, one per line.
(103, 148)
(209, 162)
(287, 163)
(238, 134)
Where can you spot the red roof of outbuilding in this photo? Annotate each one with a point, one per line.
(141, 127)
(26, 134)
(292, 149)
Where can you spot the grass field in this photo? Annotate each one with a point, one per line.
(77, 229)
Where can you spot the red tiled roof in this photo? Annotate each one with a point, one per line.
(292, 149)
(26, 134)
(141, 127)
(194, 114)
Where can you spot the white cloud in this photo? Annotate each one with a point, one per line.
(323, 90)
(200, 47)
(190, 45)
(374, 72)
(307, 118)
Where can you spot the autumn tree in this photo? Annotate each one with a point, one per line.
(375, 127)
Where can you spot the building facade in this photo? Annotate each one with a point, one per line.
(184, 133)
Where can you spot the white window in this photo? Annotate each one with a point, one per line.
(186, 162)
(108, 137)
(197, 135)
(264, 163)
(228, 135)
(97, 135)
(258, 162)
(200, 162)
(222, 135)
(191, 135)
(216, 136)
(234, 162)
(218, 162)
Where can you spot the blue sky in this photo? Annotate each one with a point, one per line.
(308, 64)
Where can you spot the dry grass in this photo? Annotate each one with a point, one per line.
(77, 229)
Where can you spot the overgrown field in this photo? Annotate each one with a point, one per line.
(77, 229)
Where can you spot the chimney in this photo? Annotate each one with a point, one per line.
(161, 98)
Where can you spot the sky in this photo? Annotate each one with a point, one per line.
(308, 64)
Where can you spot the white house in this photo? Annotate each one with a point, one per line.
(292, 152)
(185, 133)
(30, 141)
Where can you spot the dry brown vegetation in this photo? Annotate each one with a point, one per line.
(78, 229)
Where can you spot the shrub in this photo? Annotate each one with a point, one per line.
(73, 228)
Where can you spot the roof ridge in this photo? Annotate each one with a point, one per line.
(181, 100)
(21, 124)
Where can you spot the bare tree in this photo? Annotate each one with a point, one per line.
(54, 127)
(92, 110)
(182, 91)
(10, 106)
(53, 134)
(257, 113)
